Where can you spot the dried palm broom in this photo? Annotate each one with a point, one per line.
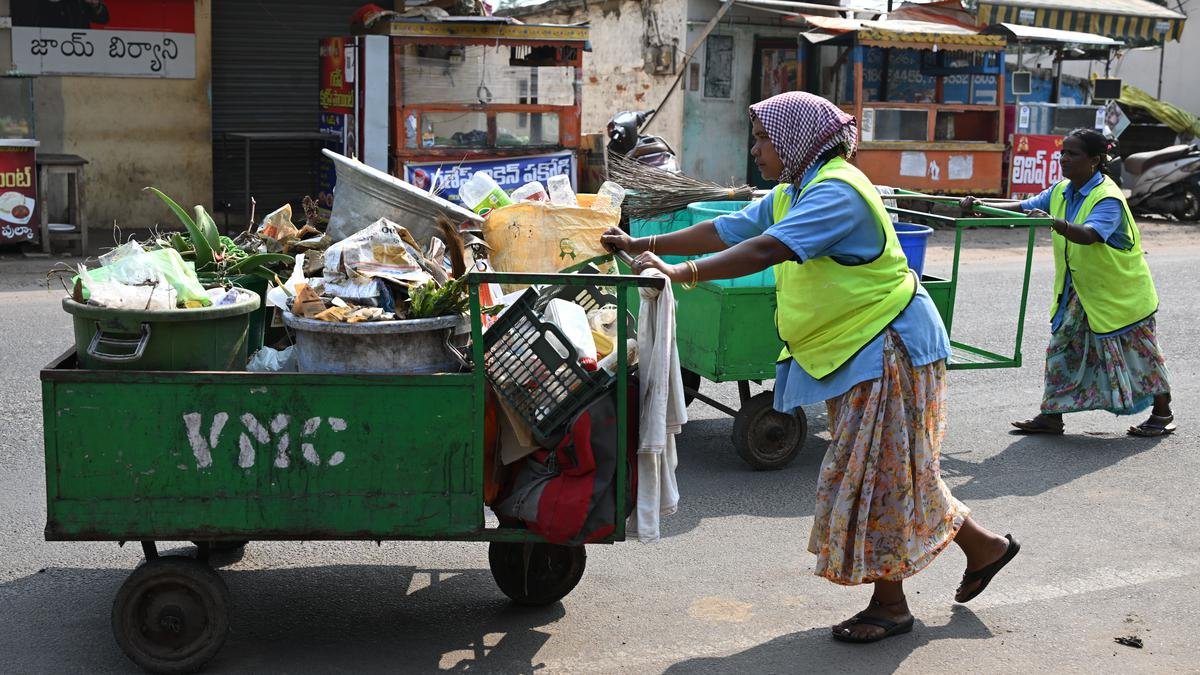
(650, 191)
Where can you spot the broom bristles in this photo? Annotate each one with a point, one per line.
(653, 192)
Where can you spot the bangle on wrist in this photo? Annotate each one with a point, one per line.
(691, 265)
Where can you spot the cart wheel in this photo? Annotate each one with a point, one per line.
(766, 438)
(691, 381)
(171, 615)
(536, 573)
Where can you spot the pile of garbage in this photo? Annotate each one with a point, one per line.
(379, 274)
(187, 269)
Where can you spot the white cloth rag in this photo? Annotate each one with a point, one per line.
(663, 411)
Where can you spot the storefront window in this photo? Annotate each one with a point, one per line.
(526, 129)
(896, 124)
(16, 107)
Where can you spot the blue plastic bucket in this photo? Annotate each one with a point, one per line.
(913, 239)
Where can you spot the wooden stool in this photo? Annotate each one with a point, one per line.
(71, 166)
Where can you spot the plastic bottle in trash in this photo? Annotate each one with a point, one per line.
(481, 193)
(560, 191)
(531, 192)
(609, 194)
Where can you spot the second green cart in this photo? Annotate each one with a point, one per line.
(728, 332)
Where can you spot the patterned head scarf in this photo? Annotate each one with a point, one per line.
(803, 127)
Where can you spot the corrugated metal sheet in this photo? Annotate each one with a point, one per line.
(265, 78)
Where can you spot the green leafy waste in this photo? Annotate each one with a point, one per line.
(216, 256)
(430, 300)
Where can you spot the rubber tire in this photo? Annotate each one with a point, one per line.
(1190, 213)
(765, 438)
(554, 571)
(690, 379)
(175, 588)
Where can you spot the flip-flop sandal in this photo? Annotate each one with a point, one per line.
(889, 627)
(1157, 425)
(984, 575)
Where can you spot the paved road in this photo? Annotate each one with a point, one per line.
(1107, 522)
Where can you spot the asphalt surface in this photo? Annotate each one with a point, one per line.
(1107, 524)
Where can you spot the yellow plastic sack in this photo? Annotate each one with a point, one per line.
(542, 237)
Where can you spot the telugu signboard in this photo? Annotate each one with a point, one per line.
(1035, 164)
(509, 173)
(119, 38)
(18, 194)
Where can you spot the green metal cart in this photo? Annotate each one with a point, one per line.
(730, 335)
(220, 458)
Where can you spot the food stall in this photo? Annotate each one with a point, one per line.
(929, 98)
(1037, 123)
(18, 163)
(448, 98)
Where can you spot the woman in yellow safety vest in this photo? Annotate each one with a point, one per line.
(860, 334)
(1103, 352)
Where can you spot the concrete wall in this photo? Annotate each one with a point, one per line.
(614, 73)
(716, 133)
(134, 132)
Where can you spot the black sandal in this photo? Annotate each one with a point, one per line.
(1038, 425)
(889, 627)
(984, 575)
(1157, 425)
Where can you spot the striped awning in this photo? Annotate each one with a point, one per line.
(1131, 21)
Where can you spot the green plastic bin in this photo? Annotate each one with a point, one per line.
(205, 338)
(702, 211)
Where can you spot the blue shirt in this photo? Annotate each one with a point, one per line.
(832, 220)
(1105, 219)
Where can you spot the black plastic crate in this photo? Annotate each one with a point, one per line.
(534, 367)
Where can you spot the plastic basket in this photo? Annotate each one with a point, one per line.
(533, 367)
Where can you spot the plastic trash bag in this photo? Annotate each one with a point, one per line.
(130, 265)
(268, 360)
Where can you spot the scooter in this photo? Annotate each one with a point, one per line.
(1165, 181)
(625, 139)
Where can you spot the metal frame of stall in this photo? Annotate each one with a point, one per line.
(567, 44)
(979, 163)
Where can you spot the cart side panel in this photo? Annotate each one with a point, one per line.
(750, 343)
(730, 332)
(698, 311)
(206, 456)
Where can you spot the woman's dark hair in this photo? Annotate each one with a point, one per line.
(1095, 144)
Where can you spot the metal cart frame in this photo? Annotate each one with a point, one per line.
(219, 458)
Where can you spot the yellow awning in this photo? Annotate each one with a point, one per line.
(1138, 21)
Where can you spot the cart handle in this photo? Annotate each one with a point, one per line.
(137, 344)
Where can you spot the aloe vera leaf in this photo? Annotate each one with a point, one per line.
(204, 252)
(208, 227)
(259, 260)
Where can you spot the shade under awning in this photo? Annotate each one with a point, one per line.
(1137, 21)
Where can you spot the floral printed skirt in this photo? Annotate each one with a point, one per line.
(883, 512)
(1120, 374)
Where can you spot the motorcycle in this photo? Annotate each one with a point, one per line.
(1165, 182)
(625, 139)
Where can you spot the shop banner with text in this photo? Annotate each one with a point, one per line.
(509, 173)
(18, 194)
(118, 38)
(1035, 164)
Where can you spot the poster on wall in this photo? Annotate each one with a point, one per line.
(117, 38)
(1035, 164)
(18, 194)
(509, 173)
